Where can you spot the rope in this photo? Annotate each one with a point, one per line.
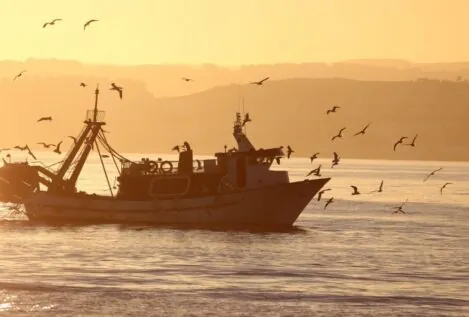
(104, 168)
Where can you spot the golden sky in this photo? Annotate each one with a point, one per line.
(234, 32)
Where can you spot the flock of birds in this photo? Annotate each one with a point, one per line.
(336, 160)
(289, 152)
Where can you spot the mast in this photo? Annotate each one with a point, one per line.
(244, 144)
(86, 140)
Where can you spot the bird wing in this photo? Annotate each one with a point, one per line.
(395, 144)
(320, 195)
(354, 187)
(341, 130)
(45, 24)
(381, 186)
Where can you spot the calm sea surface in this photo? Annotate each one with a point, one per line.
(352, 259)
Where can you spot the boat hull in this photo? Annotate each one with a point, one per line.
(271, 206)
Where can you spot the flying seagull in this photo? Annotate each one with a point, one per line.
(332, 110)
(187, 79)
(413, 141)
(19, 75)
(443, 187)
(362, 131)
(44, 119)
(335, 160)
(260, 82)
(399, 142)
(314, 156)
(355, 190)
(46, 145)
(339, 135)
(399, 208)
(57, 148)
(51, 22)
(83, 85)
(432, 173)
(331, 200)
(322, 192)
(380, 188)
(88, 23)
(73, 138)
(289, 151)
(116, 88)
(316, 171)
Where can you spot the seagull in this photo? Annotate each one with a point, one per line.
(44, 119)
(338, 135)
(289, 151)
(116, 88)
(187, 79)
(380, 188)
(246, 118)
(331, 200)
(413, 141)
(104, 155)
(355, 190)
(45, 144)
(443, 187)
(322, 192)
(315, 171)
(335, 160)
(88, 23)
(432, 173)
(21, 148)
(186, 145)
(83, 85)
(332, 110)
(57, 148)
(73, 138)
(362, 131)
(51, 22)
(399, 142)
(260, 82)
(175, 148)
(19, 75)
(399, 208)
(314, 156)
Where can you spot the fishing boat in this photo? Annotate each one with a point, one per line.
(235, 189)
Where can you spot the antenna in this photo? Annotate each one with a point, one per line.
(95, 114)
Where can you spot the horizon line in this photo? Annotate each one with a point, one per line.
(227, 65)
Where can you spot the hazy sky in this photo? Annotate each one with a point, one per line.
(233, 32)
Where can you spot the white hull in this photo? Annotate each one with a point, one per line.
(272, 206)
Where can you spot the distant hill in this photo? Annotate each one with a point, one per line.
(165, 80)
(290, 111)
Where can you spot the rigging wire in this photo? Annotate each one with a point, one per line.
(104, 168)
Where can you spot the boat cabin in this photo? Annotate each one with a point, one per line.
(244, 168)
